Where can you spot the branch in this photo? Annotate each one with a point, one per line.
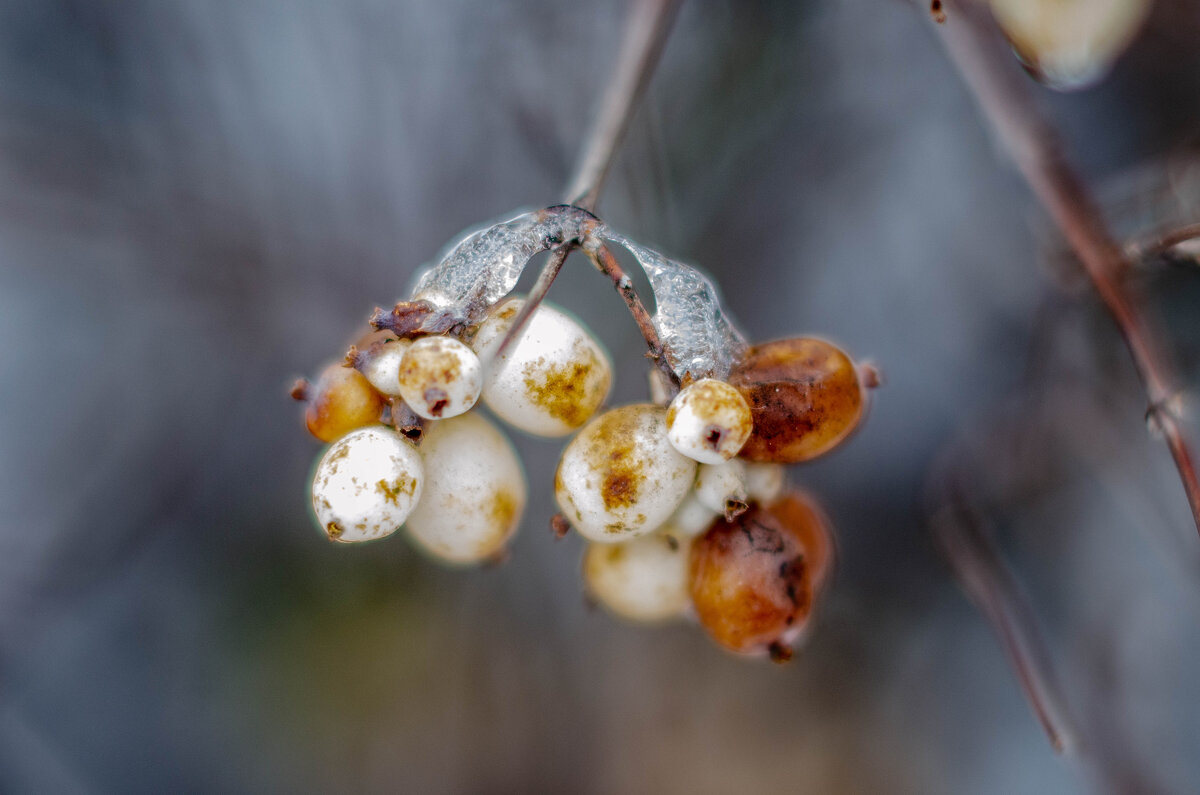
(1002, 93)
(645, 36)
(967, 547)
(1158, 243)
(646, 33)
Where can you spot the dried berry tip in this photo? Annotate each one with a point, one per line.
(299, 389)
(559, 525)
(779, 652)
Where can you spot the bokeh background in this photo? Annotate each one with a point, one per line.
(201, 199)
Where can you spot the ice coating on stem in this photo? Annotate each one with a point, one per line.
(484, 267)
(477, 272)
(699, 338)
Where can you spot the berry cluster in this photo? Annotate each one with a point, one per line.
(682, 499)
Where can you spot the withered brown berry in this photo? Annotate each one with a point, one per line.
(753, 580)
(805, 397)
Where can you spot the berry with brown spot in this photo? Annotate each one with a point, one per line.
(753, 580)
(366, 484)
(709, 421)
(620, 477)
(440, 377)
(553, 377)
(805, 396)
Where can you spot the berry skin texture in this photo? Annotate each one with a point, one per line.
(753, 581)
(709, 421)
(381, 359)
(620, 477)
(340, 401)
(440, 377)
(722, 487)
(475, 491)
(764, 482)
(805, 397)
(644, 579)
(366, 484)
(551, 380)
(692, 517)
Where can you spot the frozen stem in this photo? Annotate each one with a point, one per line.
(607, 262)
(1002, 93)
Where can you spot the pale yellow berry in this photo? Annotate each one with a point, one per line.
(644, 579)
(1070, 43)
(475, 491)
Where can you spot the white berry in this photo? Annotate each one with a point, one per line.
(381, 364)
(644, 579)
(709, 421)
(366, 484)
(440, 377)
(1070, 43)
(551, 379)
(722, 487)
(764, 482)
(475, 491)
(619, 477)
(692, 517)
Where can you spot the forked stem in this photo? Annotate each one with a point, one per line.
(646, 32)
(1002, 93)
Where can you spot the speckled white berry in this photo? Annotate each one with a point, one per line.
(709, 421)
(475, 491)
(645, 579)
(764, 482)
(722, 487)
(551, 379)
(366, 484)
(619, 477)
(440, 377)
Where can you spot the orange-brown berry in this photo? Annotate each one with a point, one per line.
(804, 395)
(340, 401)
(753, 580)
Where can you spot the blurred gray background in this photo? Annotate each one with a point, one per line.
(201, 199)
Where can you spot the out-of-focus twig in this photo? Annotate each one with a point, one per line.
(959, 531)
(646, 32)
(645, 36)
(1160, 242)
(1003, 94)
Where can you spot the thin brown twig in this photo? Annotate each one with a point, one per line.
(967, 546)
(1002, 93)
(1160, 241)
(608, 264)
(646, 33)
